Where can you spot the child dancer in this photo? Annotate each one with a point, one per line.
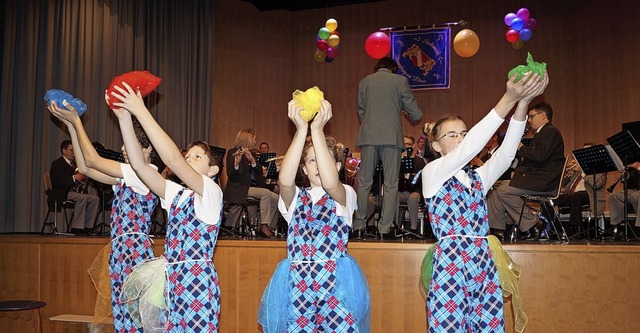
(131, 211)
(323, 288)
(192, 292)
(464, 292)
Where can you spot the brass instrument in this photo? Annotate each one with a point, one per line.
(80, 186)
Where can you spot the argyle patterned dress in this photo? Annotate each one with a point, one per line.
(193, 289)
(327, 291)
(465, 293)
(130, 223)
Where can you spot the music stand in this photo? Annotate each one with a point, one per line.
(377, 208)
(407, 165)
(594, 160)
(628, 149)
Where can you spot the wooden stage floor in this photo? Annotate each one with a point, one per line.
(580, 287)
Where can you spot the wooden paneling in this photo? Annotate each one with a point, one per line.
(568, 288)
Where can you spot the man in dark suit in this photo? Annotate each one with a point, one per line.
(67, 184)
(538, 173)
(382, 97)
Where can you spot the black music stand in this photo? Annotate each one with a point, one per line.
(628, 149)
(407, 165)
(594, 160)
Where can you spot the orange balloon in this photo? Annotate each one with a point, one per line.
(517, 45)
(466, 43)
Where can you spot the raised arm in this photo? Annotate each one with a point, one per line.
(71, 119)
(166, 148)
(291, 161)
(326, 164)
(148, 175)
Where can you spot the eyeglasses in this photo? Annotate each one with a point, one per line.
(533, 115)
(453, 135)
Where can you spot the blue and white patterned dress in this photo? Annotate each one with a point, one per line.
(465, 293)
(322, 286)
(193, 289)
(130, 223)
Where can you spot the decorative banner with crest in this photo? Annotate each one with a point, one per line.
(423, 56)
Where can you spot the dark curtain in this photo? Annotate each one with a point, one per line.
(79, 46)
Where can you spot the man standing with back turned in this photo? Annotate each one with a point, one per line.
(382, 96)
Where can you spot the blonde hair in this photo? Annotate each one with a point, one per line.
(246, 138)
(432, 130)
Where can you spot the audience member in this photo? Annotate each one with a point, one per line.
(538, 173)
(68, 184)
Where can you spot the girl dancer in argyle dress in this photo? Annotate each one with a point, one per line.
(131, 211)
(192, 291)
(323, 288)
(464, 293)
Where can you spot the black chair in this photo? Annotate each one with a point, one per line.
(547, 209)
(55, 207)
(243, 226)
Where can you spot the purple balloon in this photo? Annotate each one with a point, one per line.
(508, 18)
(523, 13)
(517, 24)
(530, 23)
(332, 52)
(525, 34)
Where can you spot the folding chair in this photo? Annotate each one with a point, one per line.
(547, 208)
(54, 206)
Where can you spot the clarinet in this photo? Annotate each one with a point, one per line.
(610, 188)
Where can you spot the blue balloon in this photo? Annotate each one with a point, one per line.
(517, 24)
(525, 34)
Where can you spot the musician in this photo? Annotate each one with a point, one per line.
(68, 184)
(409, 193)
(243, 168)
(616, 199)
(578, 190)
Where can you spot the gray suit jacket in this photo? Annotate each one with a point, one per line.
(381, 98)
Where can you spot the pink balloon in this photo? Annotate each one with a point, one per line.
(523, 13)
(377, 45)
(332, 52)
(530, 23)
(508, 18)
(512, 36)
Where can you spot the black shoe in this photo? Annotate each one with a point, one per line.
(387, 236)
(264, 232)
(356, 234)
(534, 232)
(499, 233)
(78, 232)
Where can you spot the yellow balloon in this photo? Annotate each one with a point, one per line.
(517, 45)
(466, 43)
(319, 56)
(333, 40)
(331, 24)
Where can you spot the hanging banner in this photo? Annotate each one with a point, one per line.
(423, 56)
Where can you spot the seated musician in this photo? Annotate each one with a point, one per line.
(408, 192)
(68, 184)
(616, 199)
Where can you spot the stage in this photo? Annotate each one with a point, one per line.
(580, 287)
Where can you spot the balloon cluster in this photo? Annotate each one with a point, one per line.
(520, 27)
(377, 45)
(327, 42)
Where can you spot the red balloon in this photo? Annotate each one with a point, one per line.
(512, 36)
(322, 44)
(377, 45)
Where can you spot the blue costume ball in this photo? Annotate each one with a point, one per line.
(57, 95)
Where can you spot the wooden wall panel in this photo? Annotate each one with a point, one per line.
(565, 288)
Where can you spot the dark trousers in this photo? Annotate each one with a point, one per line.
(575, 201)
